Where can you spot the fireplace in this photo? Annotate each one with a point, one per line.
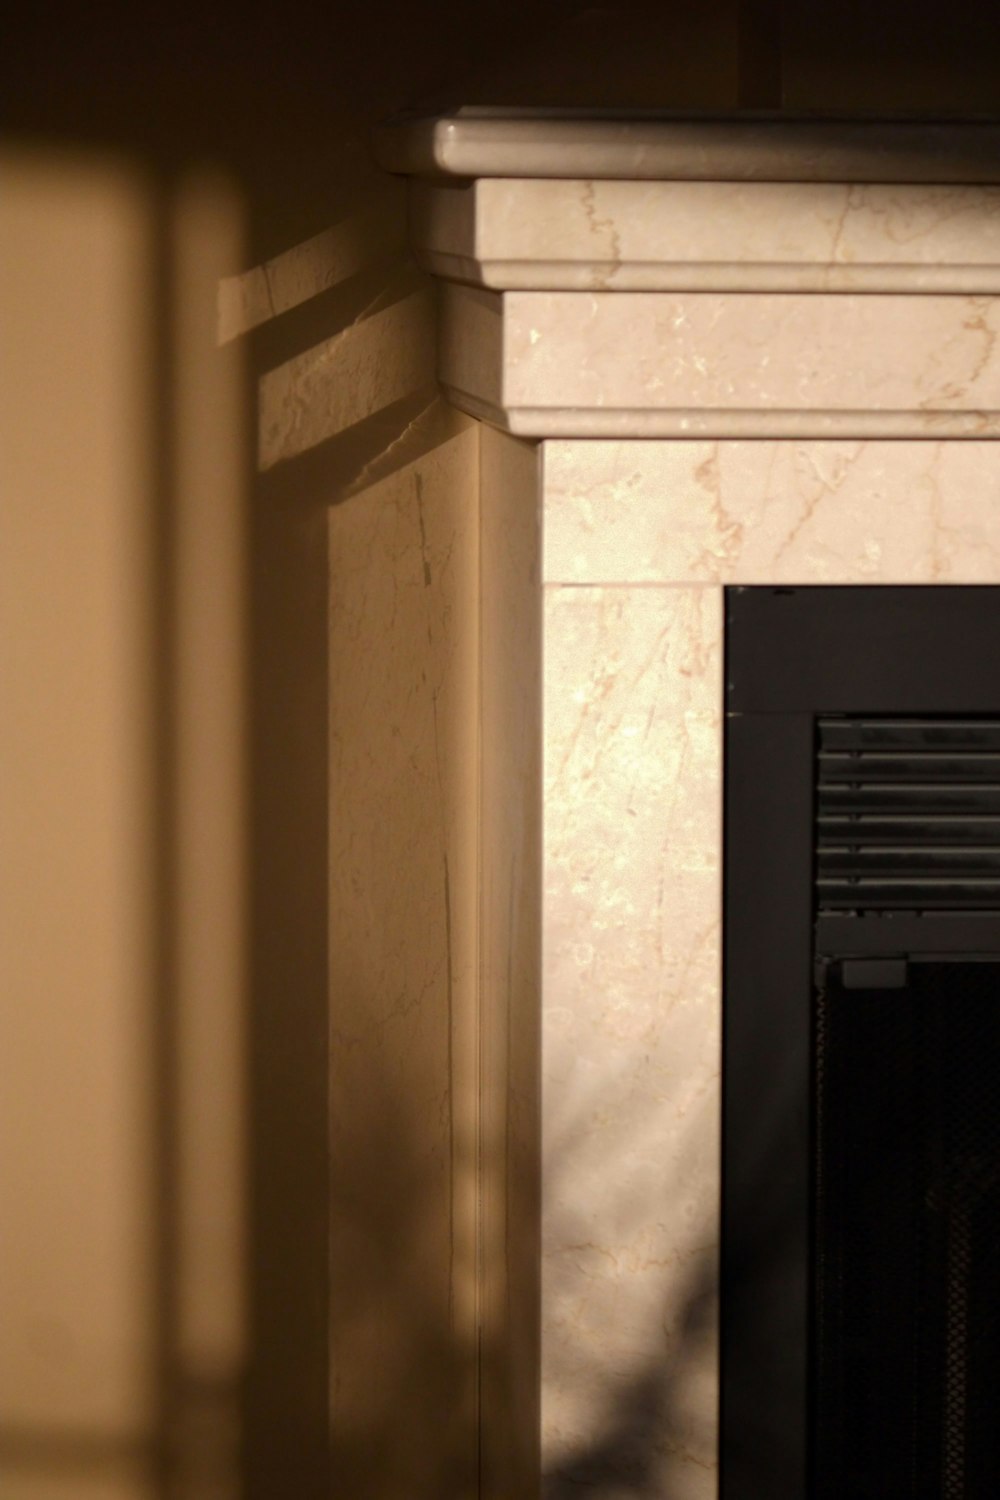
(735, 369)
(860, 1333)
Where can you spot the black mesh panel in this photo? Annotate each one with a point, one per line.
(907, 1238)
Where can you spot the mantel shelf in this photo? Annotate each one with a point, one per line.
(645, 145)
(647, 275)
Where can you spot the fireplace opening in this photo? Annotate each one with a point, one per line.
(907, 1230)
(860, 1296)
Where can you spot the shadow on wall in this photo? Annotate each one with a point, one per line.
(124, 641)
(166, 1156)
(340, 330)
(343, 336)
(167, 639)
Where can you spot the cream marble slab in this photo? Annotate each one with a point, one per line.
(728, 236)
(481, 142)
(631, 1037)
(638, 537)
(404, 897)
(561, 364)
(771, 512)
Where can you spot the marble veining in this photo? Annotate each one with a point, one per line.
(771, 512)
(726, 236)
(736, 351)
(723, 364)
(631, 1036)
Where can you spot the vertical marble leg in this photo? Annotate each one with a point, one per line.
(631, 984)
(404, 571)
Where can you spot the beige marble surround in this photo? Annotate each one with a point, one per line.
(640, 537)
(734, 380)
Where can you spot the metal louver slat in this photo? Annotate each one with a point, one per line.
(899, 829)
(948, 766)
(923, 800)
(879, 861)
(916, 734)
(945, 894)
(908, 815)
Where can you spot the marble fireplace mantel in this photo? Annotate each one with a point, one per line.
(709, 353)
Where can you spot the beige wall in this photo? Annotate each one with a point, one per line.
(121, 882)
(184, 761)
(77, 939)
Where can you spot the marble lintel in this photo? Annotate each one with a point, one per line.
(550, 364)
(580, 235)
(786, 511)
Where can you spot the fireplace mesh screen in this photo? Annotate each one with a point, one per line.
(906, 1371)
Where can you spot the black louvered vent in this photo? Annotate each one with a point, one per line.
(908, 815)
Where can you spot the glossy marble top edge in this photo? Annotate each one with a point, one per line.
(646, 145)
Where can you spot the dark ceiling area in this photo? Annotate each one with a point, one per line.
(273, 92)
(210, 77)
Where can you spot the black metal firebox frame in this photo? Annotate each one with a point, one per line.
(793, 654)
